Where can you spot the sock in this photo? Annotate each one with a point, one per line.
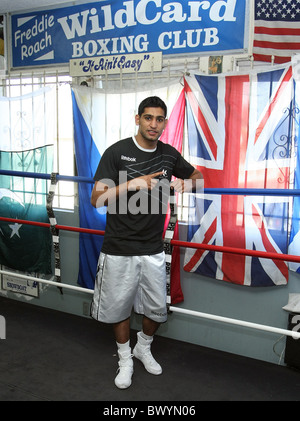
(123, 347)
(143, 335)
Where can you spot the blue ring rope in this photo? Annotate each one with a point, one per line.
(233, 191)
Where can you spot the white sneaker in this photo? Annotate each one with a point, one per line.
(143, 353)
(125, 370)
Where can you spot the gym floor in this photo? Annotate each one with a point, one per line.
(53, 356)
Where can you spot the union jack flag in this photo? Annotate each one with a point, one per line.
(294, 241)
(238, 129)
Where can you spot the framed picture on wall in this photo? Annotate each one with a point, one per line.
(215, 65)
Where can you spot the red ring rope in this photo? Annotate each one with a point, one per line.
(256, 253)
(47, 225)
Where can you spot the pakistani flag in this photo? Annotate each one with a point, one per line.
(26, 144)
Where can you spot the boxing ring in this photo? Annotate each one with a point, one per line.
(54, 178)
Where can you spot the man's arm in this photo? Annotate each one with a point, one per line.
(102, 193)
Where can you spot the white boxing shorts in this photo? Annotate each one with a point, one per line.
(126, 282)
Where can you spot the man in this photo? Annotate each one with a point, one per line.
(130, 181)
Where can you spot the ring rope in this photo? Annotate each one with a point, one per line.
(222, 319)
(257, 253)
(233, 250)
(168, 239)
(229, 191)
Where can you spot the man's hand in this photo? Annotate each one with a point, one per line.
(147, 182)
(182, 186)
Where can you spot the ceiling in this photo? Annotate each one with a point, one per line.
(21, 5)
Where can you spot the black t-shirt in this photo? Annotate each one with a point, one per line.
(135, 223)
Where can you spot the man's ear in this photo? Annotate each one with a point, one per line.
(137, 120)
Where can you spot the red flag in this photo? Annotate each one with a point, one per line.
(173, 135)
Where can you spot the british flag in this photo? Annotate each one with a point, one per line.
(239, 137)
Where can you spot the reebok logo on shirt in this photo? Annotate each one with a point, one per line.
(127, 158)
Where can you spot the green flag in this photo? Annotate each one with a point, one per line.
(27, 146)
(24, 247)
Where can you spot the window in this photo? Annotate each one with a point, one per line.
(116, 125)
(18, 86)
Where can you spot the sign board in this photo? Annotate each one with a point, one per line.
(130, 63)
(113, 27)
(21, 286)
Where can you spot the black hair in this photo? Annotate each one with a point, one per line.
(152, 101)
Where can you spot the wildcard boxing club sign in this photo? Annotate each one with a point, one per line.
(113, 27)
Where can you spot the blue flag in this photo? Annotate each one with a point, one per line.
(97, 125)
(87, 106)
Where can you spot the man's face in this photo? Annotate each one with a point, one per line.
(151, 123)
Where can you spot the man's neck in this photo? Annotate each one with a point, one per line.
(145, 143)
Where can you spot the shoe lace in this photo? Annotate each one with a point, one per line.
(148, 356)
(125, 363)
